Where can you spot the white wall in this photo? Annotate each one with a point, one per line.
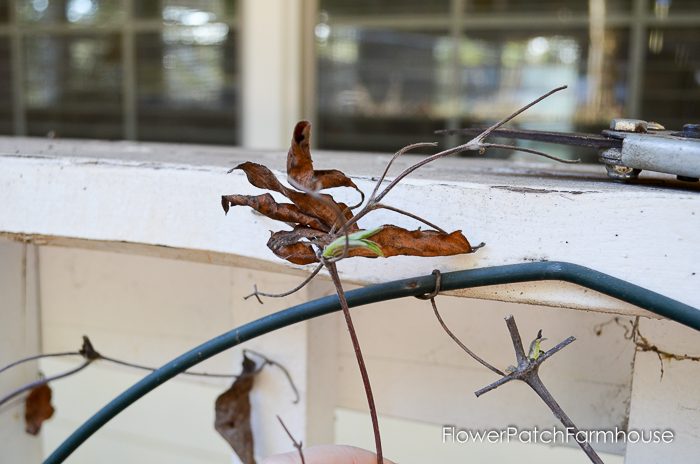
(149, 310)
(414, 442)
(19, 337)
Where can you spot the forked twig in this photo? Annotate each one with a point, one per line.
(297, 444)
(527, 370)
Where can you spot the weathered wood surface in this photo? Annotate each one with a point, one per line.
(164, 199)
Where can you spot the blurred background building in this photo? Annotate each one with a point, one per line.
(375, 74)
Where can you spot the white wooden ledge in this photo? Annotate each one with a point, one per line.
(164, 199)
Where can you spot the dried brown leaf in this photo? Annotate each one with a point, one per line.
(233, 414)
(295, 245)
(261, 177)
(37, 408)
(396, 241)
(300, 166)
(266, 204)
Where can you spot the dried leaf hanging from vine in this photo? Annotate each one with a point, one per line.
(233, 413)
(37, 408)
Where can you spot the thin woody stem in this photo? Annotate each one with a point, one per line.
(90, 355)
(405, 149)
(473, 145)
(297, 444)
(495, 385)
(555, 350)
(43, 381)
(39, 356)
(520, 355)
(476, 144)
(149, 368)
(536, 384)
(333, 271)
(271, 362)
(411, 215)
(519, 111)
(258, 293)
(462, 345)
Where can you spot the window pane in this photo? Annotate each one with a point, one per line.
(553, 7)
(70, 11)
(384, 7)
(5, 88)
(671, 93)
(662, 8)
(186, 12)
(378, 89)
(4, 13)
(186, 84)
(501, 71)
(73, 86)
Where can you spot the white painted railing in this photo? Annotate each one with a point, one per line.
(132, 247)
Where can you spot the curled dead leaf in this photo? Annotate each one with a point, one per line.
(37, 408)
(395, 241)
(295, 245)
(232, 410)
(300, 167)
(267, 206)
(325, 210)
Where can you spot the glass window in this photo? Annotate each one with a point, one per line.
(186, 12)
(186, 85)
(500, 72)
(385, 7)
(560, 8)
(4, 11)
(379, 88)
(70, 11)
(662, 8)
(5, 88)
(73, 86)
(184, 69)
(387, 78)
(671, 92)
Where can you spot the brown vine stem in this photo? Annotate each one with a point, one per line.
(333, 271)
(297, 444)
(462, 345)
(257, 293)
(90, 355)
